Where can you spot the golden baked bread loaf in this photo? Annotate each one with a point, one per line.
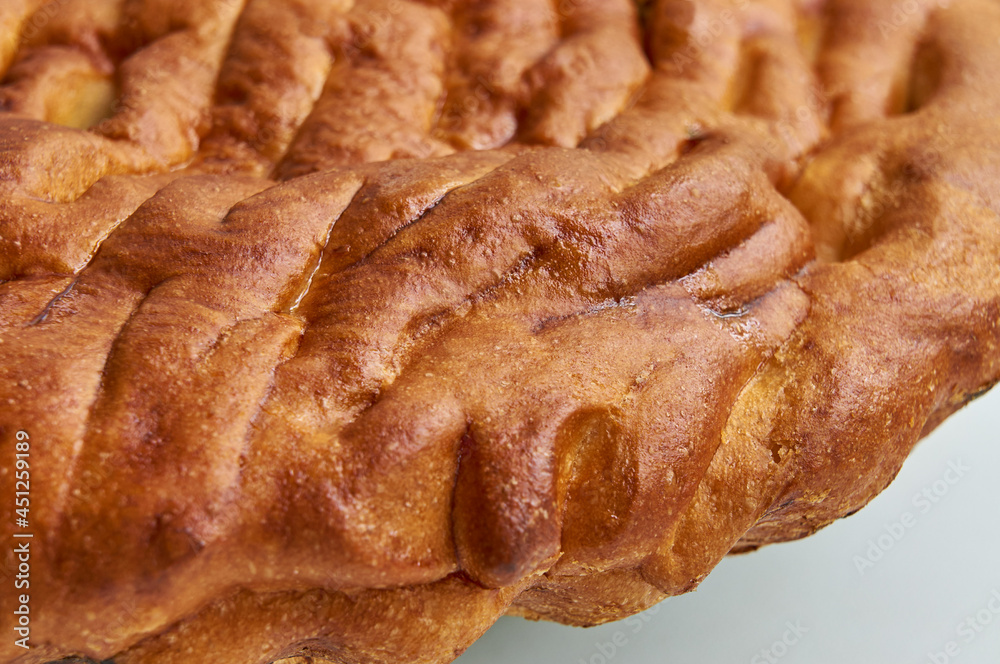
(340, 328)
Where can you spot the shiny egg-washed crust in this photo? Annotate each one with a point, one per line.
(342, 328)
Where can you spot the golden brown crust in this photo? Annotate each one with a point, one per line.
(347, 327)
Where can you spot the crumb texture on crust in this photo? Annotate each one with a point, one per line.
(343, 327)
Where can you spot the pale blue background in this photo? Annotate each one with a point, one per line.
(910, 603)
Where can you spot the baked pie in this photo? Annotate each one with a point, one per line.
(340, 328)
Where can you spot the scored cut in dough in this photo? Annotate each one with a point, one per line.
(341, 329)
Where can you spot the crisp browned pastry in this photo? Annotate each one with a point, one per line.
(340, 328)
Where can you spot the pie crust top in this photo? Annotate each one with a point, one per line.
(341, 328)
